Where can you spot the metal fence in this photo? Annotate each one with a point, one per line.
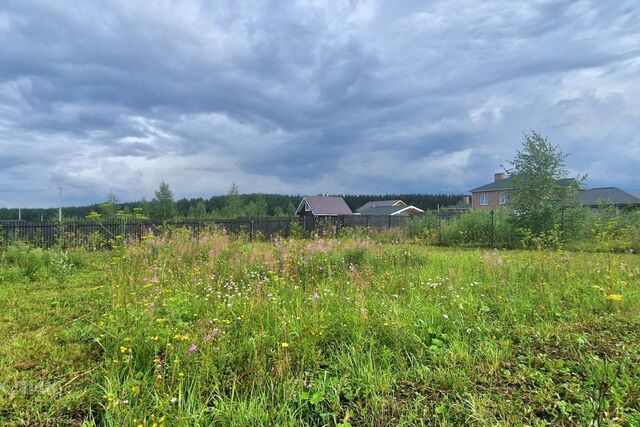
(89, 233)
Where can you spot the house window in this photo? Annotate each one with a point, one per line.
(307, 208)
(484, 199)
(504, 198)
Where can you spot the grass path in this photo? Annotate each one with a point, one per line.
(47, 348)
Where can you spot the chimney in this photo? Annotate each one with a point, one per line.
(466, 200)
(498, 176)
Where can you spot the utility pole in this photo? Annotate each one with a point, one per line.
(59, 204)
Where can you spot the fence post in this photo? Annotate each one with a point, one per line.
(439, 229)
(251, 230)
(562, 224)
(389, 222)
(491, 242)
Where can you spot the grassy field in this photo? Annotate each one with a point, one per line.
(217, 331)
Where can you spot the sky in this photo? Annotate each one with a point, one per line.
(309, 97)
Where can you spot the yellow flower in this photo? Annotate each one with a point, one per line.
(614, 297)
(123, 350)
(179, 337)
(285, 344)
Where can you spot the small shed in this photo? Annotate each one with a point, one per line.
(399, 210)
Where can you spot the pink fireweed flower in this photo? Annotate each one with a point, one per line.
(192, 349)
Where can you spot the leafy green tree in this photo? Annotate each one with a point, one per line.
(233, 204)
(163, 205)
(291, 209)
(198, 211)
(542, 187)
(109, 208)
(257, 208)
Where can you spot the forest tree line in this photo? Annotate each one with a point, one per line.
(163, 206)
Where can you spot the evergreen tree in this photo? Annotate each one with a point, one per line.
(232, 207)
(163, 205)
(109, 208)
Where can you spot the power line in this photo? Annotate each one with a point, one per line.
(29, 190)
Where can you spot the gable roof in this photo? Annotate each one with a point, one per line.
(325, 205)
(388, 210)
(613, 195)
(507, 184)
(380, 204)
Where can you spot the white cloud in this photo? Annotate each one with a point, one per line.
(310, 97)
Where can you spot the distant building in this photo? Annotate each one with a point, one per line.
(381, 204)
(496, 194)
(322, 206)
(607, 195)
(388, 208)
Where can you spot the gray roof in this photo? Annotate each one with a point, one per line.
(325, 205)
(379, 204)
(386, 210)
(507, 184)
(613, 195)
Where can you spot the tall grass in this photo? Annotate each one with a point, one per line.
(603, 229)
(213, 330)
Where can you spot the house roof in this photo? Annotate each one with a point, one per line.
(507, 184)
(380, 204)
(387, 210)
(613, 195)
(325, 205)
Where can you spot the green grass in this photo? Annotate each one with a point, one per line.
(218, 331)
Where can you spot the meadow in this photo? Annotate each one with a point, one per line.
(186, 330)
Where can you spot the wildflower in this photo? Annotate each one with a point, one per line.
(123, 350)
(285, 344)
(614, 297)
(174, 400)
(192, 349)
(179, 337)
(213, 333)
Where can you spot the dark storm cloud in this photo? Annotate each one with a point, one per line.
(320, 96)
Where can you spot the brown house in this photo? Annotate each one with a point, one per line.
(322, 206)
(495, 195)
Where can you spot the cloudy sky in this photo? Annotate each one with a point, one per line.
(309, 97)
